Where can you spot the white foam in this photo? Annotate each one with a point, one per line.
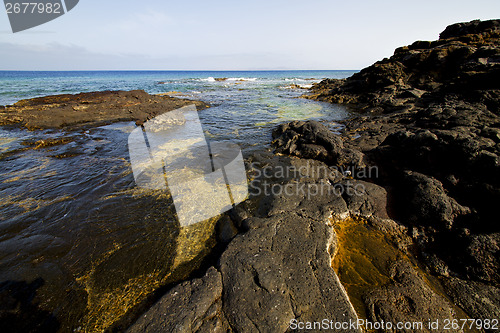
(233, 79)
(298, 86)
(242, 79)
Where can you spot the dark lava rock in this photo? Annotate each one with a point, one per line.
(473, 27)
(464, 60)
(478, 299)
(313, 140)
(309, 139)
(90, 109)
(278, 271)
(484, 252)
(408, 299)
(436, 146)
(273, 276)
(19, 312)
(428, 202)
(192, 306)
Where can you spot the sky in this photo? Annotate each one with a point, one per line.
(231, 35)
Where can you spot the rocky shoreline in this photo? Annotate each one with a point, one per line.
(426, 241)
(389, 216)
(438, 153)
(462, 63)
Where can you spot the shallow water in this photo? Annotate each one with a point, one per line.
(71, 213)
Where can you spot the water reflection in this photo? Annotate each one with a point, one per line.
(101, 244)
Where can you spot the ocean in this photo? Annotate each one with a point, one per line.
(74, 228)
(243, 105)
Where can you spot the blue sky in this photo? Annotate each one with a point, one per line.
(230, 35)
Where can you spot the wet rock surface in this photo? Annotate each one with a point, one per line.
(192, 306)
(279, 270)
(89, 109)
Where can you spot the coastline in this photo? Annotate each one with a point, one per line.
(79, 179)
(411, 242)
(414, 143)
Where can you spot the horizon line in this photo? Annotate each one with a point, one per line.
(173, 70)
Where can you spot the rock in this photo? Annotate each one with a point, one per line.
(432, 108)
(320, 200)
(90, 109)
(408, 299)
(437, 265)
(192, 306)
(432, 132)
(274, 276)
(492, 133)
(473, 27)
(365, 199)
(277, 272)
(19, 311)
(226, 229)
(313, 140)
(316, 170)
(412, 93)
(483, 254)
(351, 159)
(309, 139)
(295, 86)
(479, 300)
(464, 57)
(428, 203)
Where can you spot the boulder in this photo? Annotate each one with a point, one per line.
(428, 203)
(465, 59)
(408, 299)
(192, 306)
(479, 300)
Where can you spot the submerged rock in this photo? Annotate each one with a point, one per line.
(429, 203)
(89, 109)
